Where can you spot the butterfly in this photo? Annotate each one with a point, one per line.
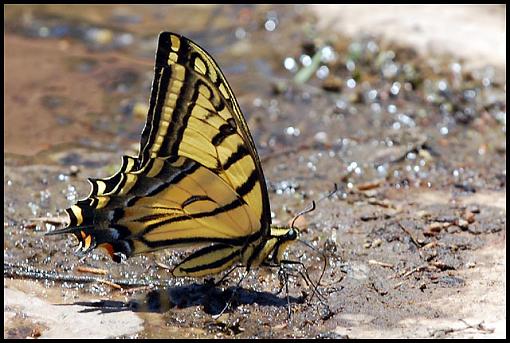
(197, 179)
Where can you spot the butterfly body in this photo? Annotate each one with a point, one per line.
(197, 179)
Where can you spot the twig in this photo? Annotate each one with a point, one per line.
(415, 241)
(383, 203)
(383, 264)
(414, 270)
(399, 284)
(109, 283)
(91, 270)
(370, 185)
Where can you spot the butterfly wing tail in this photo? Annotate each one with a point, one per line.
(89, 238)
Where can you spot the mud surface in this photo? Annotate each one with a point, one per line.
(414, 235)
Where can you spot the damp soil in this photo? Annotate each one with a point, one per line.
(403, 152)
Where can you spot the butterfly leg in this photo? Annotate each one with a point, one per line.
(226, 274)
(287, 292)
(281, 279)
(227, 305)
(304, 274)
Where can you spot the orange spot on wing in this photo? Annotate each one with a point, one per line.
(109, 248)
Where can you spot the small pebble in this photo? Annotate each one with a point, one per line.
(462, 223)
(377, 242)
(74, 170)
(470, 217)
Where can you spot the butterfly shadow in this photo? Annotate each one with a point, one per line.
(213, 300)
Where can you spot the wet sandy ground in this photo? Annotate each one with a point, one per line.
(415, 236)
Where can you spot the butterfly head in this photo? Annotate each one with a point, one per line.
(281, 238)
(284, 236)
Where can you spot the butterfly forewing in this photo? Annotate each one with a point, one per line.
(192, 100)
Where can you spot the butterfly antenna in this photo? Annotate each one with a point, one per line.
(335, 189)
(308, 209)
(312, 206)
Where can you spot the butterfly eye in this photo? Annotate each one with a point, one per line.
(292, 234)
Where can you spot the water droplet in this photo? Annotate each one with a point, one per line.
(322, 72)
(321, 137)
(350, 65)
(372, 46)
(411, 156)
(442, 85)
(327, 54)
(372, 94)
(71, 193)
(305, 60)
(389, 70)
(270, 25)
(290, 64)
(292, 131)
(240, 33)
(395, 88)
(351, 83)
(311, 166)
(352, 166)
(406, 120)
(456, 67)
(382, 170)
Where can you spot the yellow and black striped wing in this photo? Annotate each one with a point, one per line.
(197, 178)
(193, 113)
